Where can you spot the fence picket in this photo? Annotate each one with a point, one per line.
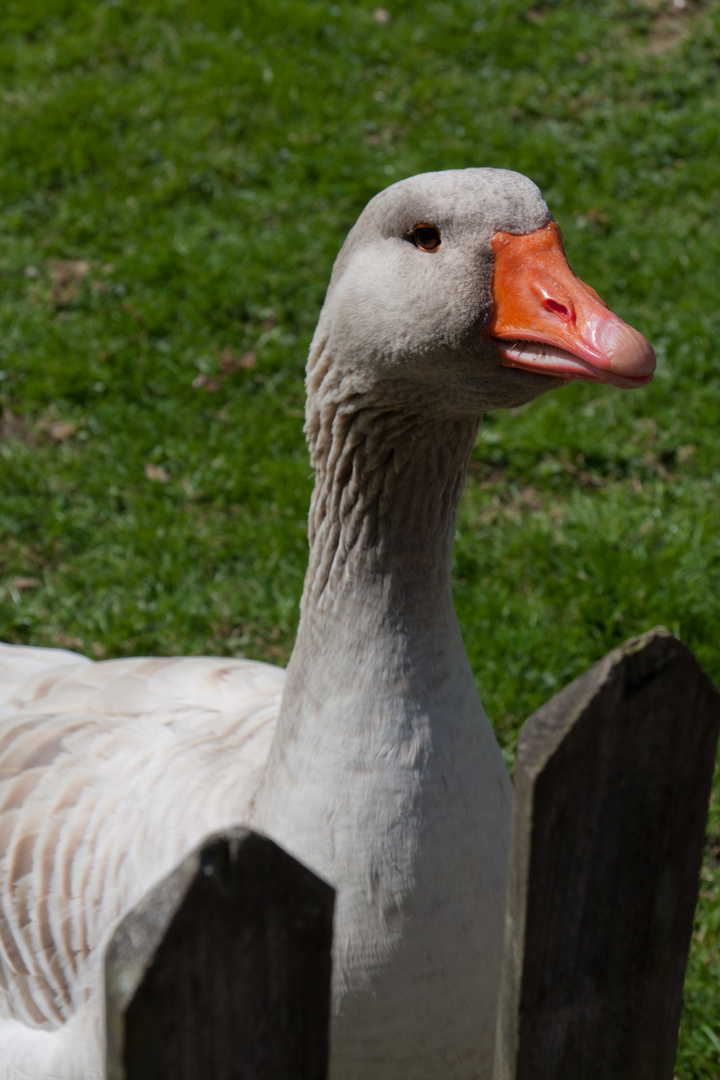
(223, 970)
(612, 785)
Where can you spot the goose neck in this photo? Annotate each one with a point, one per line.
(383, 512)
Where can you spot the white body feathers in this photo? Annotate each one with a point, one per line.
(109, 774)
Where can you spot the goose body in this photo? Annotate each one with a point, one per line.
(372, 760)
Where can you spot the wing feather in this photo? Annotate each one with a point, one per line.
(109, 773)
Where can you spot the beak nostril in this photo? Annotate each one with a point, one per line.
(561, 310)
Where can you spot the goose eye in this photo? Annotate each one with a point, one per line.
(426, 237)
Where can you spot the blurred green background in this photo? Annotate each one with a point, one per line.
(176, 178)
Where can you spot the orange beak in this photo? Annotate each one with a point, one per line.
(546, 320)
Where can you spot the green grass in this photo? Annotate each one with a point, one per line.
(175, 180)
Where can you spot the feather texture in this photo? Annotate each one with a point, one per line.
(109, 773)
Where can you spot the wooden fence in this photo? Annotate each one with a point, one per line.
(223, 971)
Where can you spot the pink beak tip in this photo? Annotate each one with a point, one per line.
(630, 353)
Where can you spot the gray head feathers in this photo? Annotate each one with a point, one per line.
(401, 328)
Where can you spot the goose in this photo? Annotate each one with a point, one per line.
(370, 759)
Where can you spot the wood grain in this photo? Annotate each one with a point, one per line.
(223, 971)
(612, 787)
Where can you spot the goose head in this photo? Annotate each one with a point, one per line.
(452, 295)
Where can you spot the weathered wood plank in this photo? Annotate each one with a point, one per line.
(612, 786)
(223, 971)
